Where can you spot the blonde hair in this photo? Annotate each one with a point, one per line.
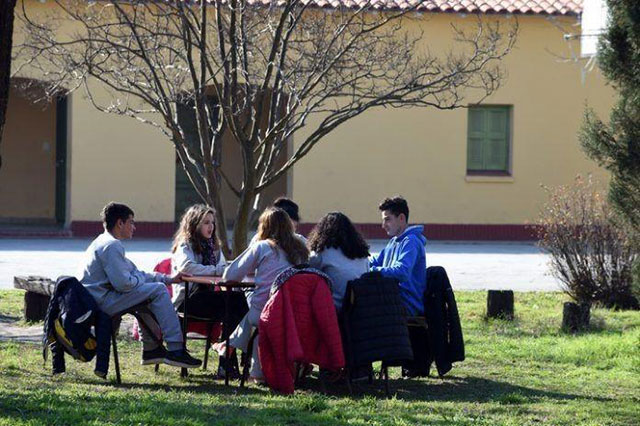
(276, 227)
(188, 230)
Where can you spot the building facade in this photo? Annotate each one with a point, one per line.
(471, 173)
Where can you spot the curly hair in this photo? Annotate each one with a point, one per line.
(276, 227)
(335, 230)
(188, 228)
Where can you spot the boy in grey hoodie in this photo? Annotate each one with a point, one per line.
(116, 284)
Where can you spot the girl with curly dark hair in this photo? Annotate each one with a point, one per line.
(338, 250)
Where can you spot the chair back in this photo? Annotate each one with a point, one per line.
(298, 324)
(374, 322)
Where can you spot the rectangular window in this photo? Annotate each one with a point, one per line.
(488, 140)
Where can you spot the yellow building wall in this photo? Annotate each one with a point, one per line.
(111, 157)
(116, 158)
(418, 153)
(27, 176)
(422, 153)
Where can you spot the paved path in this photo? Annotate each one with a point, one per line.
(8, 331)
(471, 266)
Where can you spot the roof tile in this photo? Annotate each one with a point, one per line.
(542, 7)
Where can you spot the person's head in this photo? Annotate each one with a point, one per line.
(276, 227)
(290, 208)
(197, 225)
(118, 220)
(335, 230)
(395, 215)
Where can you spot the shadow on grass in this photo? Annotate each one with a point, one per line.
(48, 406)
(8, 318)
(199, 399)
(450, 389)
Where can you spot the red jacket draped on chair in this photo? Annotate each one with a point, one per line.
(298, 323)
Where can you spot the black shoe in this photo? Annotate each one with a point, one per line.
(101, 374)
(413, 373)
(154, 356)
(181, 358)
(231, 365)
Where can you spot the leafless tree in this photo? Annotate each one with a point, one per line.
(258, 71)
(6, 43)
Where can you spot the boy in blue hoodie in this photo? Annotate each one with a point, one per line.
(403, 258)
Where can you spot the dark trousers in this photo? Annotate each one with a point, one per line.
(210, 305)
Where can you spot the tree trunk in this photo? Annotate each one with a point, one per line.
(35, 306)
(247, 199)
(500, 304)
(6, 41)
(575, 317)
(241, 225)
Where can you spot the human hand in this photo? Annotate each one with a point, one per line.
(179, 277)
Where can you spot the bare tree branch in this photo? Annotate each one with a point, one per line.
(255, 75)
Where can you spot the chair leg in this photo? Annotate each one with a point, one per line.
(244, 360)
(247, 359)
(347, 372)
(207, 346)
(323, 383)
(115, 357)
(298, 371)
(157, 368)
(386, 381)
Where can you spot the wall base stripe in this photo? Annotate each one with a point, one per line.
(433, 231)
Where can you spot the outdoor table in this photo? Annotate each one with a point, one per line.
(228, 286)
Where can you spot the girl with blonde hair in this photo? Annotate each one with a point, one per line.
(196, 251)
(275, 249)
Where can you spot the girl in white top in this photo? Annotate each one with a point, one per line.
(339, 251)
(276, 249)
(196, 252)
(195, 248)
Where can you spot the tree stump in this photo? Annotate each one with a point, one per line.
(36, 299)
(500, 304)
(575, 317)
(35, 306)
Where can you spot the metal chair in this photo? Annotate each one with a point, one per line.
(137, 311)
(184, 318)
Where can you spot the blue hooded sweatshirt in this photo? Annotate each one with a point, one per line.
(403, 258)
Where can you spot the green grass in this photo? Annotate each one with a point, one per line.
(516, 373)
(11, 302)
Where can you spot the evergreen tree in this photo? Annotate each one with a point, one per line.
(616, 145)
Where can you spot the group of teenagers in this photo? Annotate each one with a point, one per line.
(334, 246)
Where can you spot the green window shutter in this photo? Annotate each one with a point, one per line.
(497, 139)
(488, 139)
(475, 139)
